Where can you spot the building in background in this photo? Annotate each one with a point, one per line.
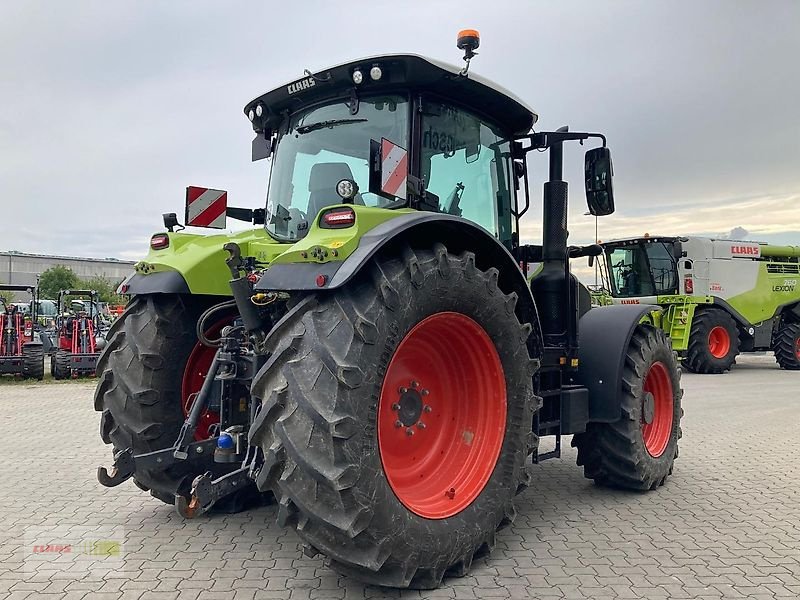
(21, 268)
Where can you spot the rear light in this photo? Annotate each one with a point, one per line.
(159, 241)
(688, 285)
(337, 218)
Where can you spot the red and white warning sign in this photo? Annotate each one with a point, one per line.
(394, 169)
(206, 207)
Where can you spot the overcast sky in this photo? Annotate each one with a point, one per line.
(107, 113)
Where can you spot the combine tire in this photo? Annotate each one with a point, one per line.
(637, 452)
(33, 361)
(787, 346)
(396, 418)
(713, 342)
(147, 372)
(59, 365)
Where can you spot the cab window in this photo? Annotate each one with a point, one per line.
(465, 162)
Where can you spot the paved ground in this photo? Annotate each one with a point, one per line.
(727, 525)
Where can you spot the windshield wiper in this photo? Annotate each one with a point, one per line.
(323, 124)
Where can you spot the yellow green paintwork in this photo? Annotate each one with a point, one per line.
(200, 259)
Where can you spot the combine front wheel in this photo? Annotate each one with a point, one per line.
(396, 418)
(713, 342)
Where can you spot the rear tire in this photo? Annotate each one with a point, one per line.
(328, 433)
(713, 342)
(787, 346)
(33, 361)
(632, 453)
(139, 390)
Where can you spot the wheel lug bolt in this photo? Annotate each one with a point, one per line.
(403, 390)
(451, 493)
(395, 406)
(421, 425)
(398, 424)
(414, 384)
(425, 392)
(409, 431)
(427, 408)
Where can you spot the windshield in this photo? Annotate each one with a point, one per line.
(639, 269)
(322, 146)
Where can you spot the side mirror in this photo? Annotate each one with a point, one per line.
(599, 187)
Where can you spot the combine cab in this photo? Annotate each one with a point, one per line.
(78, 344)
(384, 367)
(21, 353)
(718, 298)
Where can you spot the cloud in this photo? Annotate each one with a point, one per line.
(110, 110)
(762, 216)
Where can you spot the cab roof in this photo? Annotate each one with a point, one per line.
(399, 71)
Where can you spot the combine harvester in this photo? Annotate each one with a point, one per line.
(400, 368)
(718, 297)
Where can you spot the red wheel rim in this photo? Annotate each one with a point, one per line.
(797, 348)
(719, 342)
(442, 415)
(657, 433)
(197, 366)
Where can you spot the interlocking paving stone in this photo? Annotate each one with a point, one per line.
(726, 525)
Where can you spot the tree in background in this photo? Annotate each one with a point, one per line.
(6, 295)
(55, 279)
(105, 288)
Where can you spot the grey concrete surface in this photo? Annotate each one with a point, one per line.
(726, 525)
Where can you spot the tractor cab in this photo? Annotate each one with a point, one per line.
(642, 267)
(403, 131)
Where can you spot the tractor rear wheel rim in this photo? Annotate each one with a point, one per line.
(797, 348)
(197, 366)
(719, 342)
(442, 415)
(657, 433)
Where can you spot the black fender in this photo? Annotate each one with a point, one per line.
(162, 282)
(418, 230)
(604, 334)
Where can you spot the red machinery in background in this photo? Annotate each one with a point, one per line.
(20, 353)
(77, 325)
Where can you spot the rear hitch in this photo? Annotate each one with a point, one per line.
(121, 470)
(126, 463)
(206, 491)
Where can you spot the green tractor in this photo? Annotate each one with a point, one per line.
(374, 356)
(718, 298)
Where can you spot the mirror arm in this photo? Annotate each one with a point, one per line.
(545, 139)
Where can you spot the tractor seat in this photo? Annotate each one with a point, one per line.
(322, 186)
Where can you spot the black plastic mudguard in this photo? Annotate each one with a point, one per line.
(163, 282)
(604, 334)
(420, 229)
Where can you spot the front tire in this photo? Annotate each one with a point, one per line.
(424, 339)
(787, 346)
(713, 342)
(33, 361)
(60, 365)
(638, 451)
